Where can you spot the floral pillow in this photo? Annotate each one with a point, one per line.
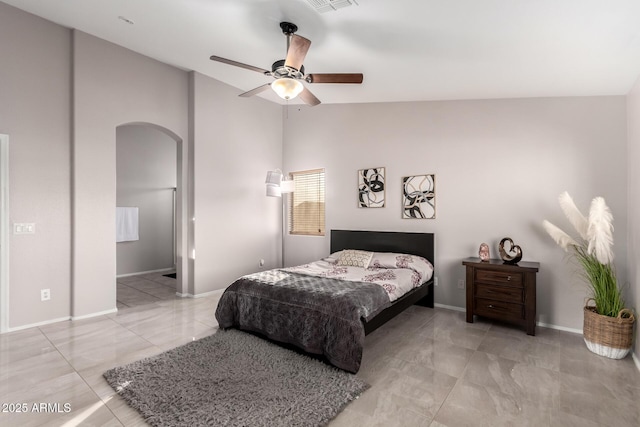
(394, 260)
(355, 258)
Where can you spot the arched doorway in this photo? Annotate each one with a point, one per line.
(148, 214)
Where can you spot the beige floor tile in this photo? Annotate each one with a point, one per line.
(436, 354)
(453, 328)
(476, 405)
(521, 381)
(596, 401)
(522, 348)
(55, 401)
(427, 367)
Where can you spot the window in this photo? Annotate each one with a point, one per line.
(306, 210)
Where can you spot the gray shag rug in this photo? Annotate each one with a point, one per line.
(233, 378)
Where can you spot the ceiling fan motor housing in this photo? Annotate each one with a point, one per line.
(279, 70)
(288, 28)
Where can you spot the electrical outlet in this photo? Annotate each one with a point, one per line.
(435, 281)
(45, 294)
(461, 284)
(261, 263)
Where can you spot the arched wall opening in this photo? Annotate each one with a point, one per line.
(149, 178)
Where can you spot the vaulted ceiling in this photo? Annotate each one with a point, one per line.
(408, 50)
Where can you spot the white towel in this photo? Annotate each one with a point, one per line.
(126, 224)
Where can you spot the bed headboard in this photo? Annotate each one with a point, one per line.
(421, 244)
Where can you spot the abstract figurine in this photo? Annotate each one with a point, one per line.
(508, 259)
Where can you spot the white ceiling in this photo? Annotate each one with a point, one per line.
(408, 50)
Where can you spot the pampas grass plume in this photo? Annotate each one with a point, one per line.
(561, 238)
(600, 231)
(574, 215)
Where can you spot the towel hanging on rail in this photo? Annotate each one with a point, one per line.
(126, 224)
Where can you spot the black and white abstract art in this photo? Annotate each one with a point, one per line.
(419, 196)
(371, 188)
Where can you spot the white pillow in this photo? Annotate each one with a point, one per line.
(333, 258)
(355, 258)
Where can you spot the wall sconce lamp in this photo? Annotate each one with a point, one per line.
(277, 184)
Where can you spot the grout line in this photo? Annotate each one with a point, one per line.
(151, 280)
(100, 400)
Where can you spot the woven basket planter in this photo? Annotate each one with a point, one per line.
(608, 336)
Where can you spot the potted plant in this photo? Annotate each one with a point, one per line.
(608, 325)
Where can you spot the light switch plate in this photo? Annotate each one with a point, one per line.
(24, 228)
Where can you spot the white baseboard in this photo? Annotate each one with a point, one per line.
(559, 328)
(205, 294)
(35, 325)
(636, 360)
(162, 270)
(88, 316)
(60, 319)
(450, 307)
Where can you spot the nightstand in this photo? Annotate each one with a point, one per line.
(502, 291)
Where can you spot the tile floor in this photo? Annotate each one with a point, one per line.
(427, 367)
(132, 291)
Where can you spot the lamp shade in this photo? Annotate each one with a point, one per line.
(274, 190)
(287, 186)
(272, 181)
(287, 88)
(273, 177)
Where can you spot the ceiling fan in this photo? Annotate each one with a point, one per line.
(288, 73)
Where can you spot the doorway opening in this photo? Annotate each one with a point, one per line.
(146, 215)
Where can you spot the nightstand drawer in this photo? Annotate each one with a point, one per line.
(492, 308)
(499, 277)
(500, 293)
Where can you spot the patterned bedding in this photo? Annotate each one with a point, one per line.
(319, 307)
(396, 273)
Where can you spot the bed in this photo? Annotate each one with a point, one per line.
(329, 316)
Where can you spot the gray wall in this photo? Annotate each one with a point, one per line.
(146, 169)
(68, 187)
(236, 225)
(35, 111)
(633, 160)
(112, 86)
(499, 164)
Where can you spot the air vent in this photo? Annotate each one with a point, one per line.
(323, 6)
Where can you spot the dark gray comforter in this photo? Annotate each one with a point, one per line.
(319, 315)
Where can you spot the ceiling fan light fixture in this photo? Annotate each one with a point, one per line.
(287, 88)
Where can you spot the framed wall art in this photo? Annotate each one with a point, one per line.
(371, 188)
(419, 196)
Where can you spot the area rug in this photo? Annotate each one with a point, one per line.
(233, 378)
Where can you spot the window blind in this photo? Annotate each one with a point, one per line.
(306, 210)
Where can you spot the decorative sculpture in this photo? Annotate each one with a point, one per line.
(483, 253)
(508, 259)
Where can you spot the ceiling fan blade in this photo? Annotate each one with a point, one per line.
(256, 90)
(238, 64)
(298, 48)
(355, 78)
(308, 97)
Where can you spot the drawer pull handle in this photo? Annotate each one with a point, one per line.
(490, 306)
(508, 278)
